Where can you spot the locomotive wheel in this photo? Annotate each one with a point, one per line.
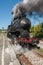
(37, 42)
(13, 39)
(22, 44)
(38, 47)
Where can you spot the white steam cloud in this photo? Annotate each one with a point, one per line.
(27, 6)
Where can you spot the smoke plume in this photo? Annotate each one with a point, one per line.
(28, 6)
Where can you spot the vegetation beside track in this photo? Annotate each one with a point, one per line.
(40, 50)
(1, 43)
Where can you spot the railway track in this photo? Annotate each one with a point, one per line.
(34, 57)
(38, 53)
(29, 57)
(23, 60)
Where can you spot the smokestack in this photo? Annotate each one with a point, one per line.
(28, 6)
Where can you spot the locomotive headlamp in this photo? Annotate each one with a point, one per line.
(23, 22)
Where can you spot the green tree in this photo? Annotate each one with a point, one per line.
(37, 30)
(42, 26)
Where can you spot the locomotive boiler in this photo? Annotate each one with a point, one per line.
(19, 27)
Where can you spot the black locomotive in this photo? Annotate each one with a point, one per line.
(19, 29)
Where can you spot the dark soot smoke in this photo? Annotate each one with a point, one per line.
(28, 6)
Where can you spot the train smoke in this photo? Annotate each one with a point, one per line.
(28, 6)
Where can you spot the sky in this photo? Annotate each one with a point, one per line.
(6, 17)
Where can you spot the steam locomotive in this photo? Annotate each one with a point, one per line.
(20, 29)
